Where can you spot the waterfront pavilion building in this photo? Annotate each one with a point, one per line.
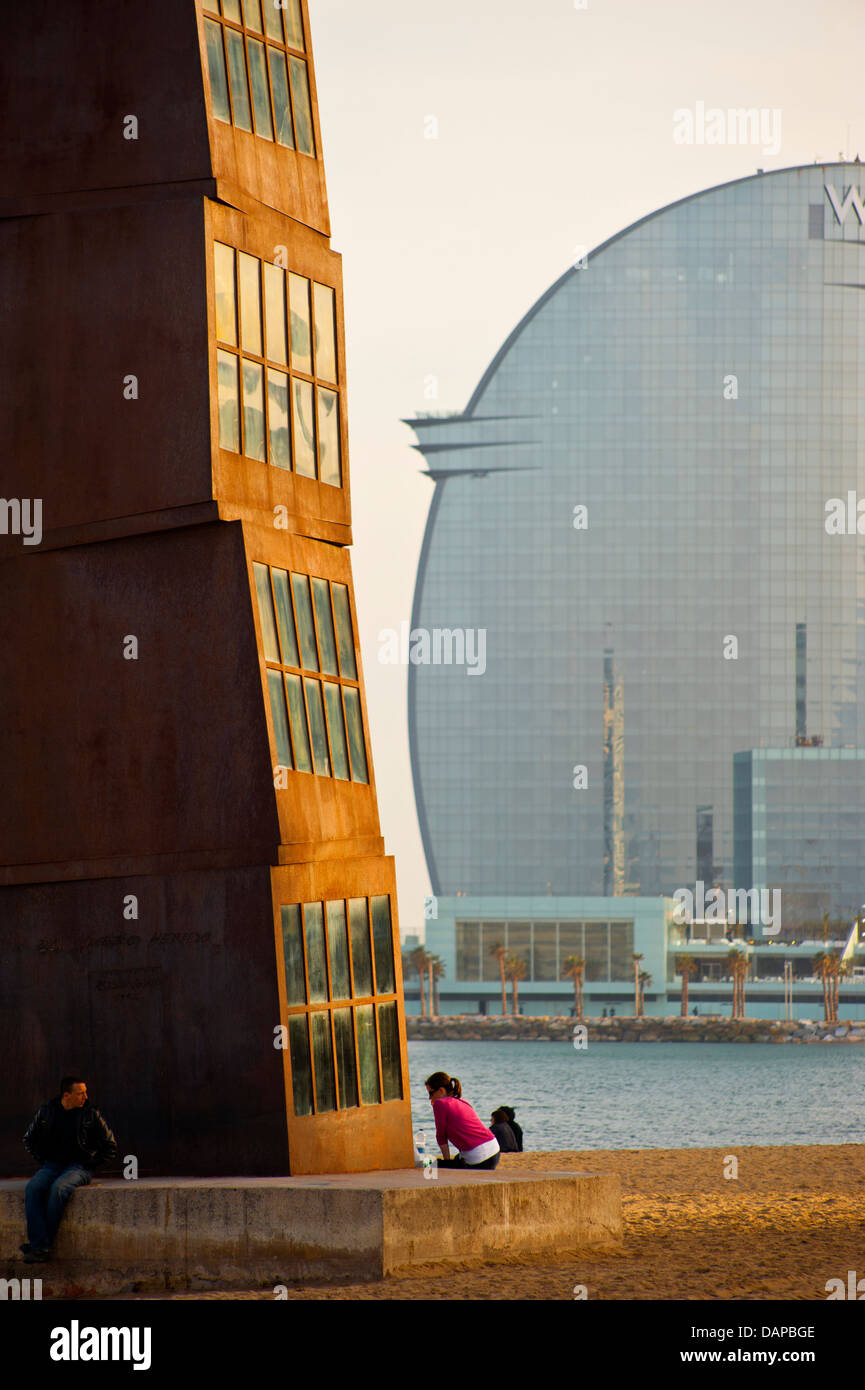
(633, 509)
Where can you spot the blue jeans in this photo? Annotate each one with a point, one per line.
(45, 1199)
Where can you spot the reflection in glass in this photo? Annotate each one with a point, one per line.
(306, 631)
(292, 951)
(239, 88)
(229, 414)
(346, 1067)
(293, 25)
(361, 955)
(274, 311)
(316, 727)
(302, 111)
(322, 1052)
(324, 623)
(337, 941)
(344, 635)
(367, 1052)
(277, 418)
(355, 734)
(226, 295)
(382, 940)
(281, 103)
(250, 303)
(272, 19)
(280, 722)
(285, 618)
(265, 612)
(301, 1071)
(316, 968)
(304, 429)
(216, 68)
(253, 410)
(231, 9)
(252, 15)
(298, 295)
(336, 728)
(299, 732)
(328, 437)
(325, 332)
(260, 89)
(391, 1071)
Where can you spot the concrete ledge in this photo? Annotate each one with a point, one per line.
(186, 1233)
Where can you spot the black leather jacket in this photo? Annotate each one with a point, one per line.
(96, 1143)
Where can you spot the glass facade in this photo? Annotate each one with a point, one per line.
(545, 946)
(256, 83)
(631, 507)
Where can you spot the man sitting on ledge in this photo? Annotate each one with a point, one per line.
(69, 1138)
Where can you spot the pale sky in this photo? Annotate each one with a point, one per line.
(554, 130)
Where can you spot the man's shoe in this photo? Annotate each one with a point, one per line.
(34, 1257)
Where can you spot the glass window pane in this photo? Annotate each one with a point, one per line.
(316, 968)
(260, 89)
(272, 19)
(249, 268)
(306, 631)
(297, 715)
(212, 5)
(367, 1052)
(252, 15)
(301, 1071)
(293, 25)
(336, 729)
(229, 415)
(292, 951)
(346, 1066)
(325, 332)
(231, 9)
(316, 727)
(226, 295)
(355, 734)
(281, 103)
(328, 437)
(265, 612)
(253, 410)
(337, 943)
(298, 295)
(382, 940)
(274, 312)
(544, 951)
(304, 429)
(361, 955)
(302, 110)
(216, 68)
(239, 88)
(344, 634)
(324, 623)
(391, 1071)
(322, 1051)
(280, 721)
(285, 619)
(278, 431)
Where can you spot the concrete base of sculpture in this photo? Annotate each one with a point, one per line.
(222, 1233)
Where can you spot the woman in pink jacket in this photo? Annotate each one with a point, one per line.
(457, 1124)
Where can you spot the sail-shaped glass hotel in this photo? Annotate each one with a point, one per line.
(633, 508)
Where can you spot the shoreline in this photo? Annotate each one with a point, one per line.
(707, 1029)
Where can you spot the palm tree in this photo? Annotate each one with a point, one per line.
(823, 969)
(515, 970)
(645, 979)
(837, 970)
(501, 955)
(636, 959)
(686, 966)
(419, 960)
(738, 964)
(436, 970)
(575, 966)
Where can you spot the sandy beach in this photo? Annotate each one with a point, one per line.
(792, 1219)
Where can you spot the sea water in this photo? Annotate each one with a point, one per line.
(654, 1095)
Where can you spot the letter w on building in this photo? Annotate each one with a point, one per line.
(851, 200)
